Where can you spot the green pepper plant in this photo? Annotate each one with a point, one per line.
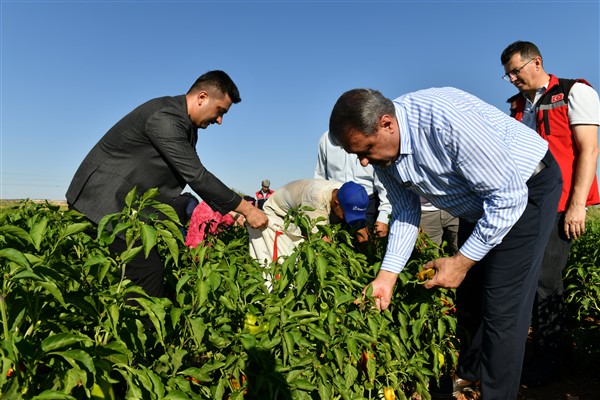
(74, 327)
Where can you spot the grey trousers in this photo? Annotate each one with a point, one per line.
(441, 226)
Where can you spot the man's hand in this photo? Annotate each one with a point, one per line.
(383, 288)
(380, 229)
(574, 222)
(450, 271)
(255, 217)
(585, 138)
(238, 218)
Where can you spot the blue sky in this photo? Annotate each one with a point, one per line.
(71, 69)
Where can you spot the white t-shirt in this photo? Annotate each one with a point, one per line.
(584, 105)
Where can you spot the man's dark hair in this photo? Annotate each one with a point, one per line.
(219, 81)
(358, 110)
(525, 49)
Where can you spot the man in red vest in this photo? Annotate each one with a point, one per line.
(264, 193)
(565, 112)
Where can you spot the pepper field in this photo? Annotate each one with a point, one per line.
(74, 328)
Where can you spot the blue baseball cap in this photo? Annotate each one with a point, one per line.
(354, 201)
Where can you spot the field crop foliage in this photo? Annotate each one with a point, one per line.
(73, 327)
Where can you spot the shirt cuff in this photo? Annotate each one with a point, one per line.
(474, 249)
(393, 263)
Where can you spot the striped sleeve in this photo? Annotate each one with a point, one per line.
(406, 216)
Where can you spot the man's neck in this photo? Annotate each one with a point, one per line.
(540, 83)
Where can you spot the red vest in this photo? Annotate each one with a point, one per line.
(260, 195)
(552, 123)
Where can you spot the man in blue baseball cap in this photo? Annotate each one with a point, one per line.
(346, 201)
(354, 201)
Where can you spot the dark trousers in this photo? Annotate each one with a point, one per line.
(147, 273)
(494, 301)
(548, 308)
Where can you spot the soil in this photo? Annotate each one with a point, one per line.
(574, 383)
(578, 380)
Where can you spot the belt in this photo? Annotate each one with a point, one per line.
(538, 169)
(541, 165)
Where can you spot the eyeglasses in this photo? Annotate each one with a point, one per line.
(515, 72)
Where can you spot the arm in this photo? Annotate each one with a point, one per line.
(586, 140)
(402, 238)
(404, 225)
(584, 117)
(493, 175)
(168, 130)
(491, 171)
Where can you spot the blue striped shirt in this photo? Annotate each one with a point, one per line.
(463, 155)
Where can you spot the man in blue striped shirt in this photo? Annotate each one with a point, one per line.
(477, 163)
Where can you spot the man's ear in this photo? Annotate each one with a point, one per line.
(386, 122)
(334, 198)
(201, 97)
